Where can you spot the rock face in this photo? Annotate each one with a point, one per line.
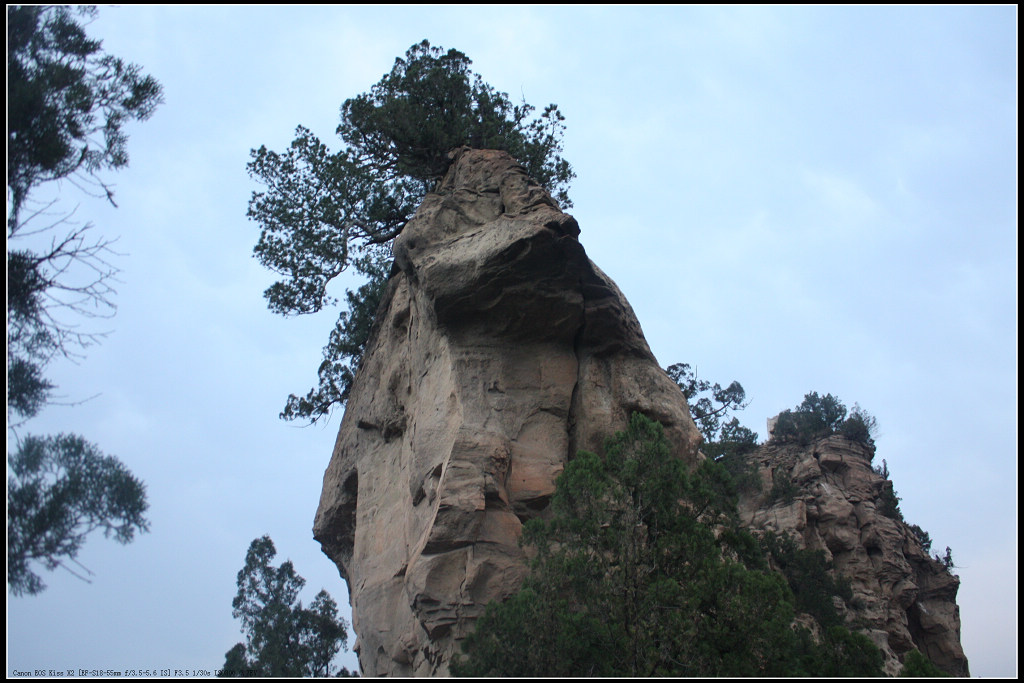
(498, 351)
(827, 497)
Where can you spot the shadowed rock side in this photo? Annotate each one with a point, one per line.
(498, 351)
(902, 598)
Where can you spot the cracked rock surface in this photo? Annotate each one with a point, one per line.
(902, 598)
(499, 350)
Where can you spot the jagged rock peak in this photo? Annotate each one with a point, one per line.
(827, 496)
(499, 350)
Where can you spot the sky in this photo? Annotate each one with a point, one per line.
(801, 199)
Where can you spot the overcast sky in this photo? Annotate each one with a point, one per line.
(817, 199)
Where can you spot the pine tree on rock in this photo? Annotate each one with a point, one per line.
(323, 211)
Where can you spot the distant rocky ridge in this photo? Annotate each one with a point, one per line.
(500, 349)
(902, 598)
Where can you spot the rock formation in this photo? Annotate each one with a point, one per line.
(498, 351)
(827, 496)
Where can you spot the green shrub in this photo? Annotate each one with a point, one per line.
(783, 488)
(807, 573)
(889, 502)
(916, 665)
(922, 537)
(641, 571)
(820, 416)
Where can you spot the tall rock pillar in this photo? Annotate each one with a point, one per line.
(498, 351)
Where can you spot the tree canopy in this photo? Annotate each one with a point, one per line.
(709, 403)
(283, 638)
(916, 665)
(67, 103)
(347, 342)
(62, 489)
(641, 571)
(67, 107)
(323, 211)
(713, 409)
(819, 416)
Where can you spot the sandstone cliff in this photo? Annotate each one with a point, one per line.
(827, 496)
(498, 351)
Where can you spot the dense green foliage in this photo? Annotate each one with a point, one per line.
(62, 489)
(916, 665)
(731, 450)
(860, 426)
(322, 211)
(641, 571)
(807, 573)
(67, 105)
(283, 638)
(820, 416)
(889, 502)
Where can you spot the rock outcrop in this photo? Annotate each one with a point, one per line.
(498, 351)
(827, 496)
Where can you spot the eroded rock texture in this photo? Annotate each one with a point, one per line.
(902, 598)
(498, 351)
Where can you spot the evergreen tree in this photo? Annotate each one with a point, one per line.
(347, 342)
(67, 103)
(916, 665)
(640, 571)
(709, 403)
(61, 490)
(323, 211)
(821, 416)
(726, 441)
(67, 106)
(282, 637)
